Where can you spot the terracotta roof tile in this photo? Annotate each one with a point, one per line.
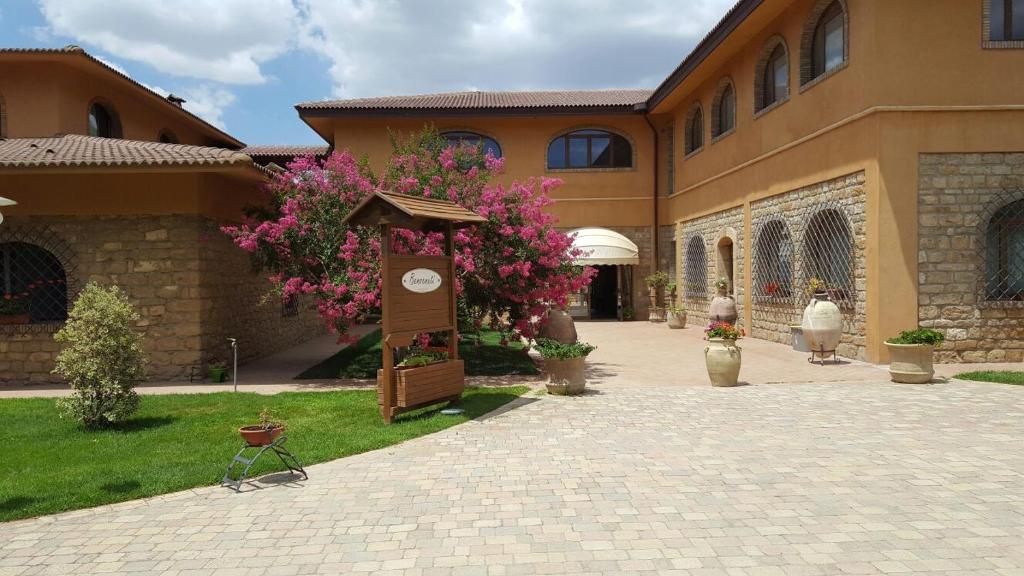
(488, 100)
(285, 150)
(89, 151)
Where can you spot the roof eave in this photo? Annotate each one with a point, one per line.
(312, 112)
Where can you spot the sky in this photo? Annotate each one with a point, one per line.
(242, 65)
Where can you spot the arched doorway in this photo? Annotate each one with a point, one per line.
(614, 256)
(725, 263)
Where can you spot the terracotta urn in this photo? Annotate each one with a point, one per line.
(911, 363)
(566, 377)
(723, 358)
(723, 308)
(822, 325)
(560, 327)
(676, 320)
(259, 436)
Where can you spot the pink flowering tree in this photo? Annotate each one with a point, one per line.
(511, 268)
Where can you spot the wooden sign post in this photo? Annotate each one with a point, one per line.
(417, 296)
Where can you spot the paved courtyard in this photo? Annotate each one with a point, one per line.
(820, 478)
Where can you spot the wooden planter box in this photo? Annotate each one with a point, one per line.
(420, 385)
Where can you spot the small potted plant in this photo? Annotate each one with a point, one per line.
(911, 355)
(676, 316)
(264, 433)
(218, 372)
(564, 364)
(13, 309)
(627, 314)
(722, 356)
(671, 290)
(655, 282)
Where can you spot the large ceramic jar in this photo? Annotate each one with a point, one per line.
(560, 327)
(723, 308)
(822, 325)
(565, 377)
(911, 363)
(676, 320)
(723, 359)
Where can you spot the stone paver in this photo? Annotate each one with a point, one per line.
(826, 478)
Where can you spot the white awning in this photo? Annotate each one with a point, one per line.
(601, 246)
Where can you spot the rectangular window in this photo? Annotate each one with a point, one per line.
(781, 83)
(834, 43)
(1006, 20)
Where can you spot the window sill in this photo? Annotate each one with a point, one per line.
(573, 170)
(723, 135)
(1002, 44)
(693, 153)
(1000, 304)
(37, 328)
(770, 107)
(812, 83)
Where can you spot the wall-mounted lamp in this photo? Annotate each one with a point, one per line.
(5, 202)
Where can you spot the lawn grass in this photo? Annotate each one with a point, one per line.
(994, 376)
(483, 357)
(181, 441)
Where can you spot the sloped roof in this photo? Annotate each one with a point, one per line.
(411, 212)
(484, 101)
(77, 52)
(74, 150)
(285, 150)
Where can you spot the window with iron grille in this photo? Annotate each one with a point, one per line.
(290, 307)
(828, 254)
(33, 283)
(773, 262)
(1004, 258)
(695, 268)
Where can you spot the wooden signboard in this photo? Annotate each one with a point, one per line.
(417, 296)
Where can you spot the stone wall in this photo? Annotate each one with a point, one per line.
(712, 229)
(772, 316)
(957, 196)
(667, 250)
(190, 289)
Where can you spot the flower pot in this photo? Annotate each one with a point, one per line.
(799, 342)
(9, 319)
(676, 320)
(723, 308)
(911, 363)
(560, 327)
(218, 374)
(822, 325)
(657, 314)
(565, 377)
(258, 435)
(723, 358)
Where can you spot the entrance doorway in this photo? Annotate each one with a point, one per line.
(604, 293)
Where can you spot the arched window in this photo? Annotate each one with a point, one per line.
(828, 254)
(773, 261)
(723, 110)
(825, 40)
(772, 76)
(1004, 258)
(590, 149)
(695, 129)
(103, 121)
(33, 286)
(695, 269)
(489, 145)
(168, 137)
(1005, 20)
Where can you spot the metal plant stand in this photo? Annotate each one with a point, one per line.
(823, 356)
(277, 447)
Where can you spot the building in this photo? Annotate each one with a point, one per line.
(117, 184)
(874, 145)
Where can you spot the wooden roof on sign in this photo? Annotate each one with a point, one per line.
(412, 212)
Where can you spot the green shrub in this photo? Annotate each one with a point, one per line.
(919, 336)
(421, 358)
(657, 280)
(102, 358)
(553, 349)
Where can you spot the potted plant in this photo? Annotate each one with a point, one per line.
(722, 355)
(627, 314)
(13, 309)
(655, 282)
(723, 306)
(822, 323)
(670, 290)
(264, 433)
(564, 365)
(218, 372)
(676, 316)
(911, 355)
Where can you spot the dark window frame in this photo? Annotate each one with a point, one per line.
(457, 137)
(727, 95)
(769, 91)
(1007, 9)
(113, 121)
(694, 140)
(819, 50)
(619, 148)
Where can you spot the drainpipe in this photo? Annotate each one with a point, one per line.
(655, 235)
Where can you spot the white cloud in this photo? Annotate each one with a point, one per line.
(206, 101)
(216, 40)
(394, 47)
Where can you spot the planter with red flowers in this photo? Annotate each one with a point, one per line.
(14, 309)
(722, 356)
